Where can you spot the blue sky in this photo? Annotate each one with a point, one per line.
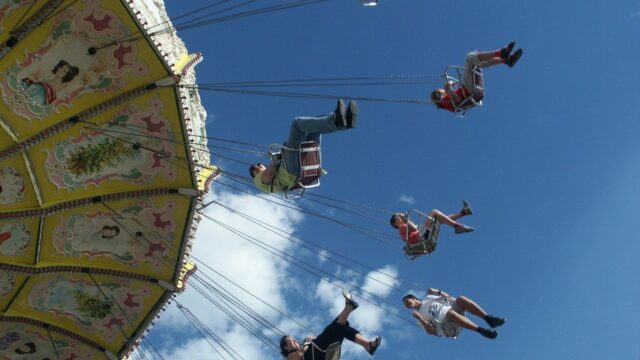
(550, 165)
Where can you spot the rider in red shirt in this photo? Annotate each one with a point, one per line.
(409, 231)
(471, 82)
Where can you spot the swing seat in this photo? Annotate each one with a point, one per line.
(424, 246)
(369, 2)
(452, 75)
(310, 161)
(332, 352)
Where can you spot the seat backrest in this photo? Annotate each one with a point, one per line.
(310, 164)
(333, 351)
(309, 157)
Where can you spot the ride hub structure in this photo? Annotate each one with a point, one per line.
(103, 161)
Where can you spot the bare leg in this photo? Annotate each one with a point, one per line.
(461, 320)
(344, 315)
(442, 218)
(360, 340)
(470, 306)
(455, 216)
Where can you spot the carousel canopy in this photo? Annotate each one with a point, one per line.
(102, 162)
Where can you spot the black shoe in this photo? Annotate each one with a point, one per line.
(491, 334)
(493, 321)
(466, 208)
(352, 114)
(513, 58)
(373, 345)
(348, 298)
(506, 51)
(341, 118)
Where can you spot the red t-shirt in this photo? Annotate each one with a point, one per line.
(445, 102)
(414, 236)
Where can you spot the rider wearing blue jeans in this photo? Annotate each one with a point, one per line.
(303, 128)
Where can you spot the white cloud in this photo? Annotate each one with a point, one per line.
(322, 256)
(382, 281)
(406, 199)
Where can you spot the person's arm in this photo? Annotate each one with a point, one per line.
(412, 227)
(427, 326)
(268, 175)
(456, 98)
(433, 291)
(308, 339)
(447, 86)
(453, 95)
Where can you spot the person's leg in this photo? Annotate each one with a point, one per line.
(334, 332)
(464, 322)
(354, 335)
(489, 58)
(469, 305)
(443, 219)
(338, 330)
(461, 320)
(344, 315)
(339, 327)
(360, 340)
(468, 78)
(303, 127)
(307, 128)
(464, 303)
(499, 56)
(456, 216)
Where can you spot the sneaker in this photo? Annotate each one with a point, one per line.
(491, 334)
(341, 119)
(373, 345)
(352, 114)
(505, 51)
(463, 229)
(466, 208)
(348, 298)
(493, 321)
(513, 58)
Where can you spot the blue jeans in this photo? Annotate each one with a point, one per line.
(307, 128)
